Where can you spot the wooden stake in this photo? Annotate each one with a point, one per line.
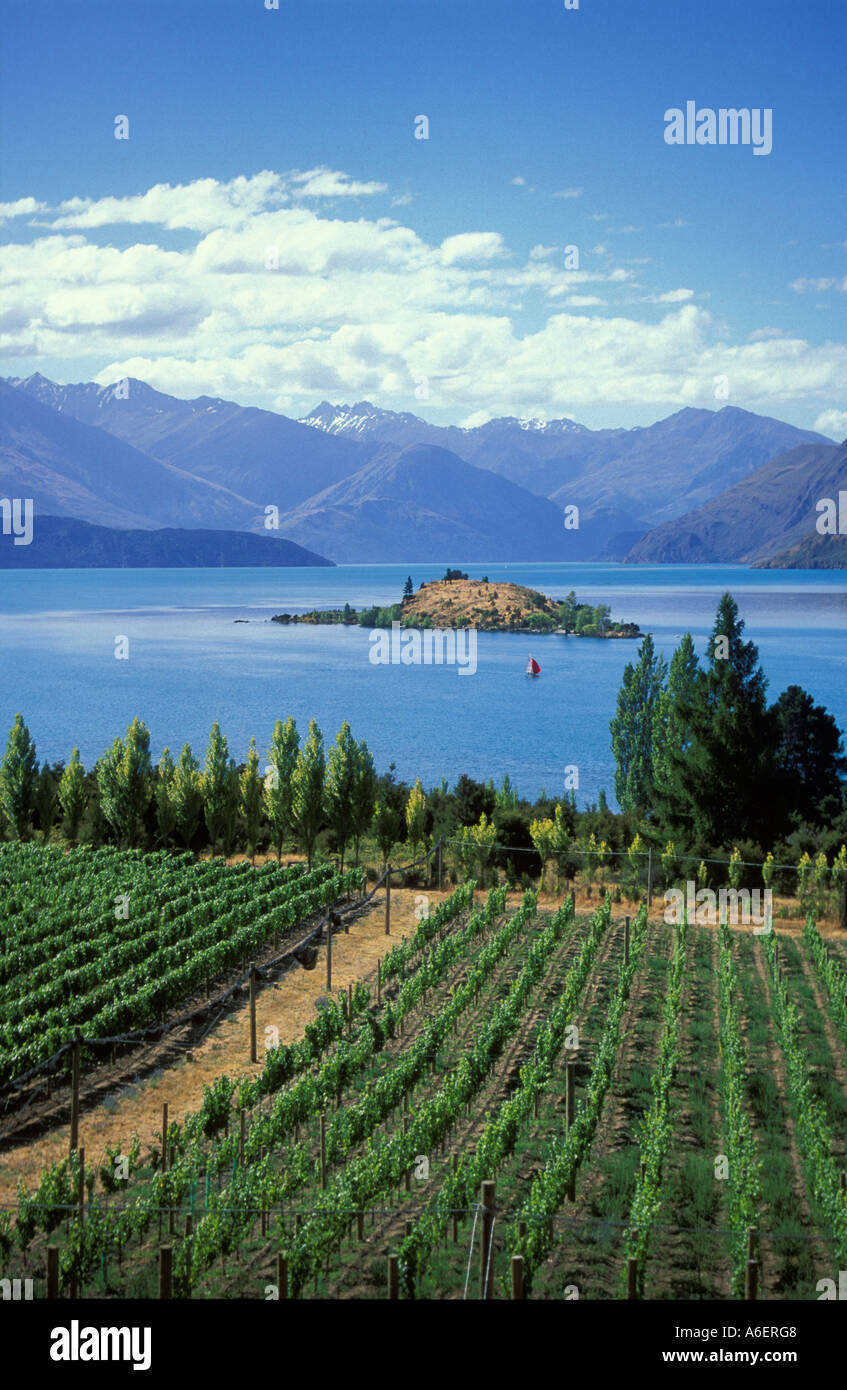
(81, 1187)
(75, 1058)
(165, 1254)
(350, 1009)
(626, 941)
(393, 1276)
(379, 983)
(360, 1225)
(632, 1277)
(570, 1095)
(329, 953)
(650, 877)
(242, 1136)
(323, 1150)
(486, 1279)
(751, 1280)
(52, 1271)
(254, 1056)
(455, 1213)
(282, 1275)
(517, 1276)
(165, 1137)
(388, 900)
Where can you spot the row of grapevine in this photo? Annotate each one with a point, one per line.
(550, 1186)
(831, 972)
(498, 1137)
(656, 1127)
(744, 1184)
(813, 1131)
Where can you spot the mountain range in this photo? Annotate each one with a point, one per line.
(359, 483)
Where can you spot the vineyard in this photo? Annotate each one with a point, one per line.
(631, 1108)
(108, 940)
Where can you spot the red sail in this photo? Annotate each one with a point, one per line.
(532, 667)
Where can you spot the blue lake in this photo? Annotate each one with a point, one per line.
(190, 662)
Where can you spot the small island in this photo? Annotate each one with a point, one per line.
(458, 602)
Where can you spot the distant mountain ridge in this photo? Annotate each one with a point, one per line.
(129, 456)
(772, 510)
(63, 542)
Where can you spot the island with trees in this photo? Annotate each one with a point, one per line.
(458, 602)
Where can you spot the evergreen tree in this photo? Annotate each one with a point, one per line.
(670, 731)
(724, 786)
(73, 795)
(166, 816)
(46, 799)
(18, 772)
(125, 783)
(340, 785)
(250, 799)
(278, 784)
(632, 729)
(186, 795)
(810, 756)
(408, 589)
(216, 788)
(231, 806)
(308, 791)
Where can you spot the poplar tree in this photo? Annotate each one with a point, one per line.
(388, 826)
(365, 786)
(250, 799)
(124, 783)
(278, 782)
(73, 795)
(166, 816)
(216, 788)
(18, 772)
(632, 729)
(416, 816)
(46, 799)
(186, 795)
(340, 787)
(308, 791)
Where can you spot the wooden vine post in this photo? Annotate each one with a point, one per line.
(626, 941)
(254, 1056)
(388, 900)
(165, 1265)
(393, 1276)
(75, 1059)
(329, 953)
(486, 1282)
(165, 1137)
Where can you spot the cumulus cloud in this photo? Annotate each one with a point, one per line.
(833, 423)
(22, 207)
(279, 299)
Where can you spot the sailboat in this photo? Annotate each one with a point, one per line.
(532, 667)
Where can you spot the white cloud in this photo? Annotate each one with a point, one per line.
(824, 283)
(569, 193)
(364, 306)
(519, 182)
(759, 334)
(471, 246)
(23, 207)
(833, 423)
(329, 183)
(671, 297)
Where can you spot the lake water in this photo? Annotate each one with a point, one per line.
(190, 662)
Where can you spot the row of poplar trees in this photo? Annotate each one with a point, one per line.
(299, 792)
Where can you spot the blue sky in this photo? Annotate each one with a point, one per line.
(429, 275)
